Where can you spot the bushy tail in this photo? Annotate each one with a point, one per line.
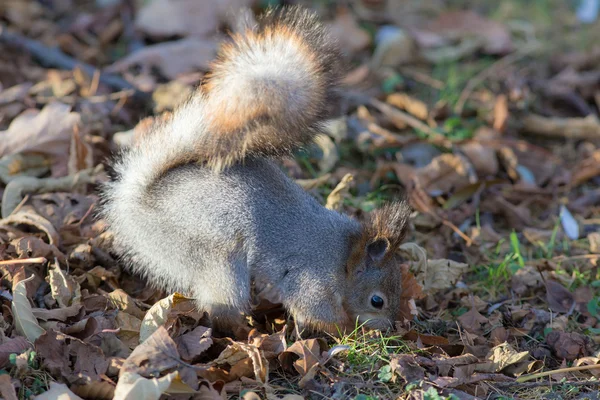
(269, 89)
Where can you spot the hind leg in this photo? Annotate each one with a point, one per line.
(225, 293)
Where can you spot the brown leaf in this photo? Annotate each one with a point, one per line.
(271, 345)
(444, 173)
(186, 17)
(90, 361)
(411, 291)
(569, 346)
(194, 343)
(428, 340)
(472, 320)
(309, 353)
(409, 104)
(122, 301)
(407, 367)
(350, 36)
(156, 354)
(47, 131)
(15, 345)
(502, 356)
(57, 314)
(559, 298)
(7, 390)
(465, 24)
(171, 58)
(500, 113)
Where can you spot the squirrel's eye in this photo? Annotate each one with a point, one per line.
(377, 301)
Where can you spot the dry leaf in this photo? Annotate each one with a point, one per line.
(432, 275)
(58, 391)
(309, 352)
(350, 36)
(25, 322)
(134, 386)
(7, 390)
(65, 290)
(15, 345)
(466, 24)
(157, 315)
(410, 104)
(126, 303)
(57, 314)
(407, 367)
(569, 346)
(443, 174)
(559, 298)
(194, 343)
(335, 200)
(472, 320)
(171, 58)
(186, 17)
(48, 131)
(502, 356)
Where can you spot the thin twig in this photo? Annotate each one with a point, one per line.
(36, 260)
(529, 385)
(526, 378)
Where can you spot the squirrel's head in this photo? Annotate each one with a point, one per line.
(374, 273)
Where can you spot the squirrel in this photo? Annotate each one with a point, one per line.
(200, 206)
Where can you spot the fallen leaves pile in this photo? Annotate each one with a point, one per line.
(486, 119)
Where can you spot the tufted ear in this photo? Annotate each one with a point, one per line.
(387, 230)
(382, 234)
(377, 249)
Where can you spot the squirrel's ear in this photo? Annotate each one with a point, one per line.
(377, 249)
(388, 227)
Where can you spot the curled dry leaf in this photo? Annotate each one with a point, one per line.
(125, 303)
(65, 290)
(407, 367)
(48, 131)
(244, 359)
(157, 315)
(443, 174)
(589, 361)
(335, 200)
(309, 353)
(194, 343)
(502, 356)
(35, 221)
(270, 345)
(25, 322)
(472, 321)
(432, 275)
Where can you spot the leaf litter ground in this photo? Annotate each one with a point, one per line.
(484, 115)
